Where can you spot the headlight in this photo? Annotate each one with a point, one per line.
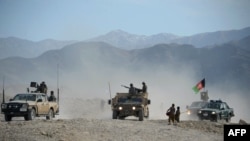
(199, 111)
(4, 106)
(133, 108)
(213, 112)
(120, 108)
(24, 108)
(188, 112)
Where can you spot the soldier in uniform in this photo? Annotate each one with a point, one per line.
(177, 114)
(52, 96)
(132, 89)
(43, 88)
(144, 87)
(171, 114)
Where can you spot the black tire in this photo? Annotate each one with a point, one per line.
(147, 114)
(50, 114)
(217, 118)
(228, 119)
(8, 117)
(114, 115)
(141, 115)
(31, 114)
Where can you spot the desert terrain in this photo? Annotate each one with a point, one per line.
(83, 122)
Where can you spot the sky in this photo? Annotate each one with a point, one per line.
(37, 20)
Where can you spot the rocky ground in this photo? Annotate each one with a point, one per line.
(92, 122)
(86, 129)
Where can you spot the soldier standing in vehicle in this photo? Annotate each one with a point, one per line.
(177, 114)
(144, 87)
(43, 88)
(132, 89)
(171, 114)
(52, 96)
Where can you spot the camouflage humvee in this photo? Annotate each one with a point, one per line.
(125, 104)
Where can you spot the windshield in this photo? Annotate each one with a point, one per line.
(213, 105)
(128, 100)
(24, 97)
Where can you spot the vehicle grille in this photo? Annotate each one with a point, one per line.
(14, 106)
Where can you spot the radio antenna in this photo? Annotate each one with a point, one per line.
(3, 92)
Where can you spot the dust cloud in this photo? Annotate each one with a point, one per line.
(87, 94)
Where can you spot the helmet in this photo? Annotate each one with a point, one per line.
(131, 84)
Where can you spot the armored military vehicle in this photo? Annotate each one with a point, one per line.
(125, 104)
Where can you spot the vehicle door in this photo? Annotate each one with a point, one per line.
(45, 107)
(40, 104)
(223, 111)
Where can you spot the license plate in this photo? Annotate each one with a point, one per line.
(205, 114)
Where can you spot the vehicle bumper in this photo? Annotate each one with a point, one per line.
(15, 113)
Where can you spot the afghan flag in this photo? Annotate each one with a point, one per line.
(199, 86)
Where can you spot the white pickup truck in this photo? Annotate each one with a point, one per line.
(30, 105)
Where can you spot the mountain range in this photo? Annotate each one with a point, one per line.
(16, 47)
(91, 63)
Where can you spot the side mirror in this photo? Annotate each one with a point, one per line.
(11, 99)
(109, 101)
(39, 100)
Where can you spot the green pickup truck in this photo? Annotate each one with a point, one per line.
(216, 110)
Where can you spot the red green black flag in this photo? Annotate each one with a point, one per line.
(199, 86)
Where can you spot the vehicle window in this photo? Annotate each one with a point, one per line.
(24, 97)
(126, 100)
(31, 97)
(19, 97)
(226, 106)
(221, 106)
(44, 98)
(214, 105)
(39, 97)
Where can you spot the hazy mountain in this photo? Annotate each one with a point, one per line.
(213, 38)
(129, 41)
(12, 46)
(228, 63)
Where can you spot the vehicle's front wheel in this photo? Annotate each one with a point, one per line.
(50, 115)
(31, 115)
(7, 117)
(217, 117)
(147, 113)
(141, 115)
(228, 119)
(114, 114)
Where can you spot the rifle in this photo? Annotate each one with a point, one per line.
(125, 86)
